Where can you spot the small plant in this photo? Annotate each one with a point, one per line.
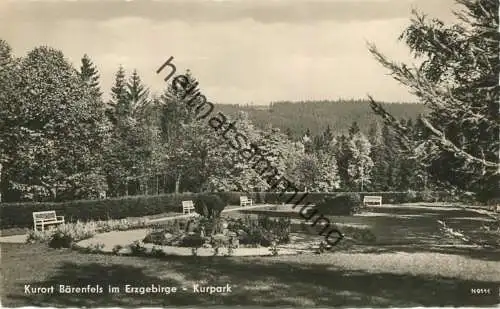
(216, 251)
(274, 248)
(137, 248)
(38, 236)
(220, 241)
(95, 248)
(157, 252)
(61, 240)
(194, 251)
(116, 249)
(322, 247)
(230, 250)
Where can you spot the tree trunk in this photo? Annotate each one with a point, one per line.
(1, 186)
(157, 186)
(177, 183)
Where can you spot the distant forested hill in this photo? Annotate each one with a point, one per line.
(317, 115)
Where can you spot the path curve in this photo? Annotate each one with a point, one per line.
(125, 238)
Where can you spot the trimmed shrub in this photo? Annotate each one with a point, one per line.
(193, 241)
(61, 240)
(342, 205)
(209, 205)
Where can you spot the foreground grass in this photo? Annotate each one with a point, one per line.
(335, 279)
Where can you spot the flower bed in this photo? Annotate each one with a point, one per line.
(222, 233)
(67, 234)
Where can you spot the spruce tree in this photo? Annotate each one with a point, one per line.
(119, 104)
(457, 79)
(90, 75)
(353, 129)
(342, 155)
(138, 95)
(378, 157)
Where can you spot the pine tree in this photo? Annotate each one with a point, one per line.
(119, 105)
(457, 79)
(90, 75)
(388, 155)
(138, 95)
(353, 129)
(379, 158)
(289, 133)
(308, 141)
(324, 141)
(343, 156)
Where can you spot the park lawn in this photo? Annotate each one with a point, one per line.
(334, 279)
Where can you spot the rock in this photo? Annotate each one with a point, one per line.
(235, 242)
(124, 251)
(242, 234)
(220, 240)
(192, 226)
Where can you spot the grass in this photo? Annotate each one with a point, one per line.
(14, 231)
(410, 266)
(335, 279)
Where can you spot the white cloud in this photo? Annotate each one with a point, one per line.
(236, 60)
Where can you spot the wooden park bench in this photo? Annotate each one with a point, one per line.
(245, 201)
(372, 199)
(187, 206)
(43, 218)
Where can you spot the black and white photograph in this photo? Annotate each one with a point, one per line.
(249, 153)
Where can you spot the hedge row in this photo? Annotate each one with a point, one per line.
(20, 214)
(232, 198)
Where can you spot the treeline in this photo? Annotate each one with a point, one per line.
(60, 140)
(295, 118)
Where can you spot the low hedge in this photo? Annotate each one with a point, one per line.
(342, 205)
(315, 197)
(20, 214)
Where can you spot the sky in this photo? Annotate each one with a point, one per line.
(241, 51)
